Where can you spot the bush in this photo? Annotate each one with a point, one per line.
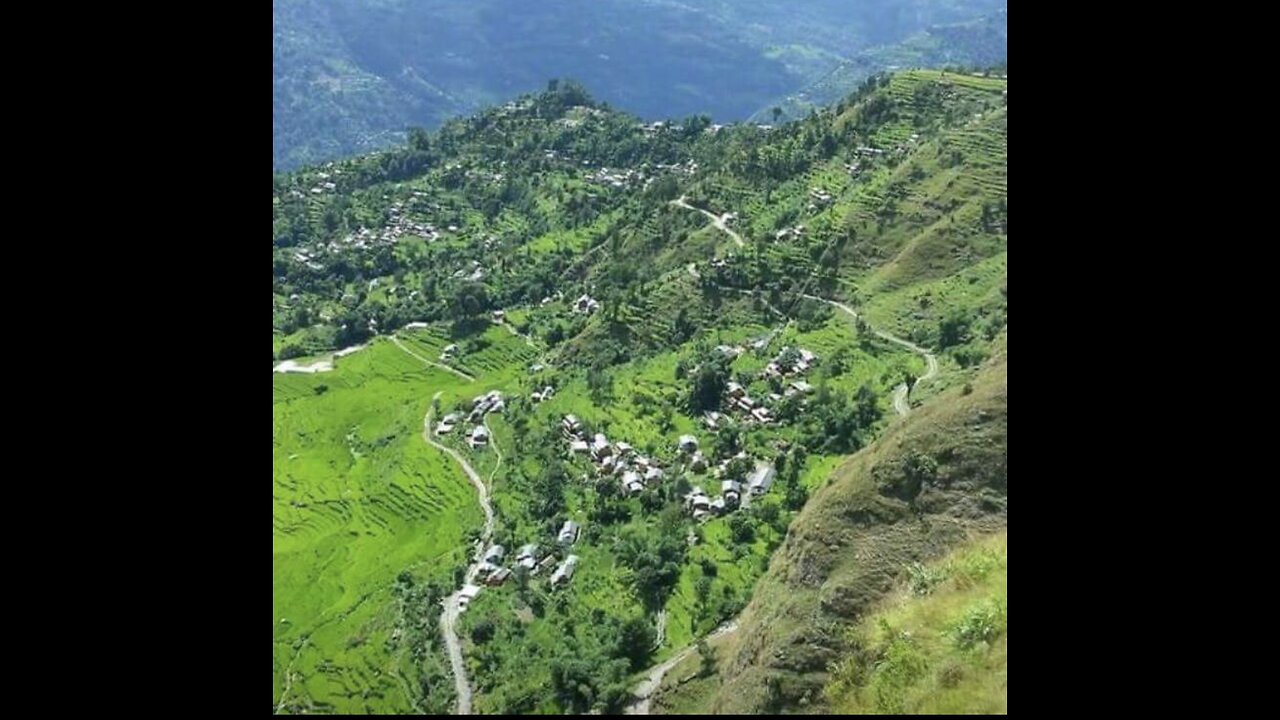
(983, 623)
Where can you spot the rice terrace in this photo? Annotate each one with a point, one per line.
(580, 411)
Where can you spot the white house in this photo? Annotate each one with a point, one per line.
(688, 443)
(564, 573)
(568, 533)
(762, 479)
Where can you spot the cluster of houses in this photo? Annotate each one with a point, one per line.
(791, 232)
(819, 197)
(634, 471)
(790, 362)
(731, 495)
(491, 571)
(473, 273)
(481, 405)
(616, 178)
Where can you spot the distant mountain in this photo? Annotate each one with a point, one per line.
(349, 76)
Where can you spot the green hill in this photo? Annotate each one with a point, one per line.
(935, 480)
(582, 226)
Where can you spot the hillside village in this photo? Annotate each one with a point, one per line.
(649, 396)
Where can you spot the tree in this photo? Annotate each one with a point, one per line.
(483, 632)
(777, 113)
(635, 641)
(709, 383)
(707, 666)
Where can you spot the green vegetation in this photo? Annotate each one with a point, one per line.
(938, 647)
(642, 319)
(349, 76)
(367, 524)
(928, 485)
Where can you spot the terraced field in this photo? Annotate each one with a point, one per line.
(357, 499)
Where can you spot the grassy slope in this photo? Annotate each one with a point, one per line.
(938, 644)
(357, 498)
(851, 543)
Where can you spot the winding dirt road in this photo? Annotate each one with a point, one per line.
(717, 220)
(653, 678)
(900, 393)
(433, 363)
(449, 618)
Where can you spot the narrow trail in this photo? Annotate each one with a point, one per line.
(717, 220)
(901, 399)
(512, 329)
(653, 677)
(433, 363)
(449, 618)
(901, 402)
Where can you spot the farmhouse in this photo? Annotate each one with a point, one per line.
(585, 304)
(528, 556)
(568, 533)
(579, 446)
(564, 573)
(467, 594)
(570, 425)
(600, 446)
(495, 554)
(762, 479)
(698, 462)
(479, 436)
(631, 482)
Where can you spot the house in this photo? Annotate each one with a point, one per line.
(545, 394)
(527, 557)
(623, 448)
(579, 446)
(802, 387)
(568, 533)
(762, 479)
(728, 351)
(450, 349)
(498, 577)
(499, 315)
(585, 304)
(712, 419)
(735, 390)
(479, 436)
(600, 446)
(730, 487)
(495, 554)
(698, 462)
(718, 506)
(653, 475)
(745, 403)
(564, 573)
(698, 499)
(446, 424)
(547, 562)
(570, 425)
(631, 482)
(688, 443)
(467, 594)
(761, 414)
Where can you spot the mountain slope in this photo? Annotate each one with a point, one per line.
(932, 481)
(350, 76)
